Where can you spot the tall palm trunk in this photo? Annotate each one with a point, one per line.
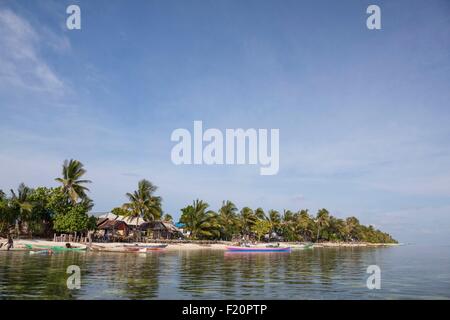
(136, 231)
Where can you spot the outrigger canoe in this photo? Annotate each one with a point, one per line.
(53, 248)
(258, 249)
(303, 246)
(149, 246)
(42, 252)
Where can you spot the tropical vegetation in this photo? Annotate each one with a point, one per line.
(42, 211)
(229, 223)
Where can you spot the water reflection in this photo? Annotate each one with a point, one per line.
(332, 273)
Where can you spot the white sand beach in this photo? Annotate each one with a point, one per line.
(118, 246)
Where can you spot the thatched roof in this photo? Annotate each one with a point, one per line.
(112, 224)
(128, 220)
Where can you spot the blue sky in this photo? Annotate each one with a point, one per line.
(363, 115)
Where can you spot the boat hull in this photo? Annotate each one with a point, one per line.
(258, 249)
(153, 246)
(53, 248)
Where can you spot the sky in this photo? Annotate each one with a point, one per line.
(363, 114)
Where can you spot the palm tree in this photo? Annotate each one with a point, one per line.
(288, 216)
(351, 226)
(143, 204)
(5, 217)
(274, 220)
(247, 220)
(71, 181)
(21, 205)
(322, 221)
(304, 224)
(336, 229)
(288, 225)
(227, 218)
(199, 220)
(167, 218)
(87, 203)
(259, 213)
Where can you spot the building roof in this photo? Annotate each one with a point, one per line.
(111, 224)
(128, 220)
(180, 225)
(169, 226)
(155, 225)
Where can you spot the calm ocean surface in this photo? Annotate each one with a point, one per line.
(407, 272)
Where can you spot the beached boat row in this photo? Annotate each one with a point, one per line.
(146, 248)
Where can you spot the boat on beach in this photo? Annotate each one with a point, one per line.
(143, 249)
(42, 252)
(37, 247)
(302, 246)
(149, 246)
(258, 249)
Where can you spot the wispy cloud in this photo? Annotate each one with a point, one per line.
(22, 65)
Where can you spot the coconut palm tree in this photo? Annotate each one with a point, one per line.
(274, 219)
(259, 213)
(304, 225)
(21, 205)
(288, 225)
(351, 227)
(200, 221)
(227, 219)
(167, 218)
(87, 203)
(322, 221)
(71, 181)
(247, 220)
(143, 204)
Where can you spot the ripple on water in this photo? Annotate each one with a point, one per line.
(326, 273)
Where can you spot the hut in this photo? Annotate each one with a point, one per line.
(112, 228)
(162, 230)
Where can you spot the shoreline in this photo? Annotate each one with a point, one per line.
(19, 245)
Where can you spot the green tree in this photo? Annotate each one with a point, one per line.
(119, 211)
(288, 226)
(42, 214)
(227, 219)
(304, 225)
(336, 229)
(261, 228)
(143, 204)
(21, 206)
(247, 220)
(322, 221)
(167, 218)
(75, 220)
(201, 222)
(274, 218)
(351, 228)
(71, 181)
(7, 216)
(259, 213)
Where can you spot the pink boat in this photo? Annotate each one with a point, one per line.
(258, 249)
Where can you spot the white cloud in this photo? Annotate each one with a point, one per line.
(21, 63)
